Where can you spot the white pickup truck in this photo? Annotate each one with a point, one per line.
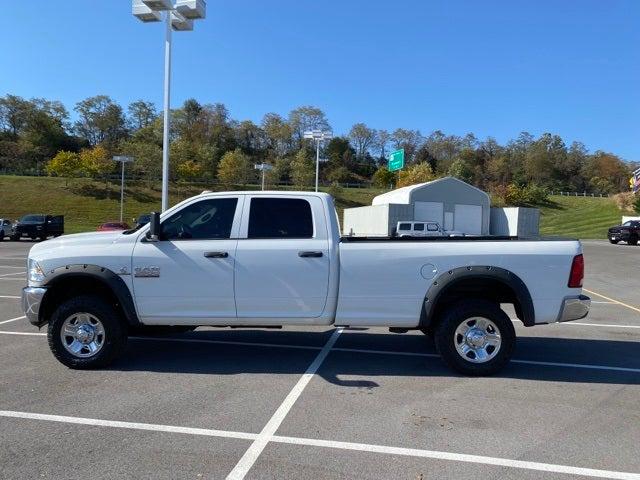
(276, 259)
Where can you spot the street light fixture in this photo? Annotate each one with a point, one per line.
(178, 17)
(122, 159)
(318, 136)
(263, 167)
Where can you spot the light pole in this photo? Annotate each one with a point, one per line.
(263, 167)
(122, 159)
(318, 136)
(178, 17)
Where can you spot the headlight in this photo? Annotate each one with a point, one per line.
(36, 274)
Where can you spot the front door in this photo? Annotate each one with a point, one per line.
(187, 276)
(282, 260)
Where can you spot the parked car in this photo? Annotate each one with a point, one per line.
(628, 232)
(277, 259)
(418, 229)
(424, 229)
(38, 227)
(5, 228)
(113, 226)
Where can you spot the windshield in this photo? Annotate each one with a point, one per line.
(32, 218)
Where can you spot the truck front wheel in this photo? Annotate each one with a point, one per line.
(475, 337)
(86, 332)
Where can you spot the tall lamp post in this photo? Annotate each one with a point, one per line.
(318, 136)
(122, 159)
(178, 17)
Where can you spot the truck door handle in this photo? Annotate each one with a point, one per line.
(309, 254)
(216, 254)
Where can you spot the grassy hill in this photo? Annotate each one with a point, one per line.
(86, 204)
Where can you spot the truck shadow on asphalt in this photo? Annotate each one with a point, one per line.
(160, 354)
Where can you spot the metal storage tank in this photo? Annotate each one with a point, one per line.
(454, 204)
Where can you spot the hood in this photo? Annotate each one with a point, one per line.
(617, 228)
(79, 240)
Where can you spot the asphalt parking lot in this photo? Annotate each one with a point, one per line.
(323, 403)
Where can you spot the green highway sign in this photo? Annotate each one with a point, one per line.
(396, 160)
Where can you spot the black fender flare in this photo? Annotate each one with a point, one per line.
(449, 278)
(108, 278)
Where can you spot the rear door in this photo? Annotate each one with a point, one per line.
(282, 258)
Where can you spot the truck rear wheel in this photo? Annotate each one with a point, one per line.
(86, 332)
(475, 337)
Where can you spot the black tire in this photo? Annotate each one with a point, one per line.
(446, 338)
(115, 332)
(633, 240)
(159, 330)
(615, 242)
(14, 238)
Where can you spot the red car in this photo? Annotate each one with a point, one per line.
(113, 226)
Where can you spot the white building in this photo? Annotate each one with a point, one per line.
(454, 204)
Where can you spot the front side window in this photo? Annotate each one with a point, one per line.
(432, 227)
(210, 219)
(418, 227)
(280, 218)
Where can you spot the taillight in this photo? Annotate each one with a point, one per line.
(577, 272)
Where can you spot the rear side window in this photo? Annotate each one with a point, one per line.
(280, 218)
(419, 227)
(404, 226)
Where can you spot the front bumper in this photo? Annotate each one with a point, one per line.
(574, 308)
(618, 236)
(31, 301)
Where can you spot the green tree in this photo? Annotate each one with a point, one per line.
(302, 169)
(235, 168)
(461, 170)
(141, 114)
(362, 138)
(64, 164)
(383, 178)
(100, 120)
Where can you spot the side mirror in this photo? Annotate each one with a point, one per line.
(154, 233)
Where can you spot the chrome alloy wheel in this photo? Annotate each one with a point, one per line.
(477, 340)
(82, 335)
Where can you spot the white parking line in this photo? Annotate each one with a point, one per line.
(362, 447)
(517, 320)
(605, 303)
(253, 452)
(11, 266)
(460, 457)
(10, 296)
(129, 425)
(12, 319)
(604, 325)
(358, 350)
(12, 274)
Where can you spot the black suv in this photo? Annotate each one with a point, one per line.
(628, 232)
(38, 226)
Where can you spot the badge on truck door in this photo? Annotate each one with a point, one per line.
(147, 272)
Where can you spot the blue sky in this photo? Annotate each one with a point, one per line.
(571, 67)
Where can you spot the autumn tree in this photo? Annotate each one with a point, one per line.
(235, 168)
(418, 173)
(65, 164)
